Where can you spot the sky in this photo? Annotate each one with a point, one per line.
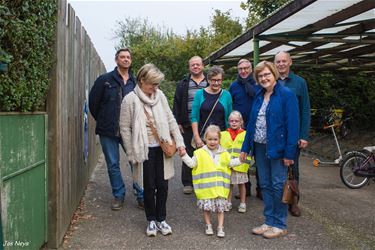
(100, 18)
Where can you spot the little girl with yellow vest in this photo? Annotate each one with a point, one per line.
(211, 178)
(232, 140)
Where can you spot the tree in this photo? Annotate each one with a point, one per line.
(260, 9)
(170, 51)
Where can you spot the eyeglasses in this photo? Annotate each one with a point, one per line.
(244, 68)
(265, 75)
(216, 80)
(234, 121)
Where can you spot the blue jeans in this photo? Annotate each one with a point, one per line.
(272, 176)
(110, 148)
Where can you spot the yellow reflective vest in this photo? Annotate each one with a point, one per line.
(234, 148)
(211, 180)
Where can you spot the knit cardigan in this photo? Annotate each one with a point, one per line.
(127, 126)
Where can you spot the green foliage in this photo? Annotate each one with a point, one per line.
(27, 32)
(260, 9)
(169, 51)
(353, 92)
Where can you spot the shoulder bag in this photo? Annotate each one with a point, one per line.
(168, 149)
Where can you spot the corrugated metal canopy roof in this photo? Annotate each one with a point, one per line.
(328, 34)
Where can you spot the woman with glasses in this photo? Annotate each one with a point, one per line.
(211, 105)
(142, 110)
(272, 136)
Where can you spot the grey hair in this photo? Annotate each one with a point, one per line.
(149, 73)
(214, 71)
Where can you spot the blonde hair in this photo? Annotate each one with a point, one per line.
(264, 64)
(238, 114)
(149, 73)
(212, 129)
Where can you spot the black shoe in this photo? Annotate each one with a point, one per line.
(294, 210)
(117, 204)
(141, 205)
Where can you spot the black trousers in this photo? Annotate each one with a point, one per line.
(155, 187)
(186, 176)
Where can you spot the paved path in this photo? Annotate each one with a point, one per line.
(334, 217)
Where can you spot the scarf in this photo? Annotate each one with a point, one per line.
(233, 133)
(161, 121)
(249, 83)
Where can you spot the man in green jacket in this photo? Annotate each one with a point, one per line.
(298, 86)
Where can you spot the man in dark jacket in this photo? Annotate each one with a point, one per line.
(298, 86)
(243, 91)
(182, 104)
(105, 102)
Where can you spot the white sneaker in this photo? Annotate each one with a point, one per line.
(220, 232)
(228, 207)
(164, 228)
(209, 230)
(242, 208)
(261, 229)
(275, 232)
(151, 229)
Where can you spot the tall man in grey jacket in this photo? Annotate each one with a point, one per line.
(183, 100)
(298, 86)
(105, 102)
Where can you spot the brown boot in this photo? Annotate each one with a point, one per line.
(294, 210)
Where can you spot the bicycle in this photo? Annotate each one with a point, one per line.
(358, 168)
(323, 119)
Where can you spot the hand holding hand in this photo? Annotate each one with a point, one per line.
(181, 151)
(243, 156)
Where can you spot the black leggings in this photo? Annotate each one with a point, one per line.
(155, 187)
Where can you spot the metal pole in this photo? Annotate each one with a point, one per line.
(256, 51)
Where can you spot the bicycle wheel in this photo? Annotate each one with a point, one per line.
(344, 129)
(349, 164)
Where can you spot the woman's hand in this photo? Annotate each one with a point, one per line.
(181, 151)
(198, 142)
(287, 162)
(243, 157)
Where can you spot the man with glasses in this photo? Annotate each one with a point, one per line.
(182, 105)
(243, 91)
(298, 86)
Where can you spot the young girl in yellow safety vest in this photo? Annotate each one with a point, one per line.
(232, 140)
(211, 178)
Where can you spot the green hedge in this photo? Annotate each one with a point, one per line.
(354, 92)
(27, 34)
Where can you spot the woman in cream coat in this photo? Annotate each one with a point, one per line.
(143, 148)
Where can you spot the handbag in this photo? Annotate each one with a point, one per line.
(290, 191)
(168, 149)
(205, 123)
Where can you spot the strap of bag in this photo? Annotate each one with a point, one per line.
(153, 129)
(290, 173)
(212, 110)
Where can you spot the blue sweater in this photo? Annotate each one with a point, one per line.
(282, 124)
(242, 102)
(298, 86)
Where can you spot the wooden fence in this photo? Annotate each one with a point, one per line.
(73, 146)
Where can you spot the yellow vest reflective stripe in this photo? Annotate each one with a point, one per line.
(211, 180)
(234, 148)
